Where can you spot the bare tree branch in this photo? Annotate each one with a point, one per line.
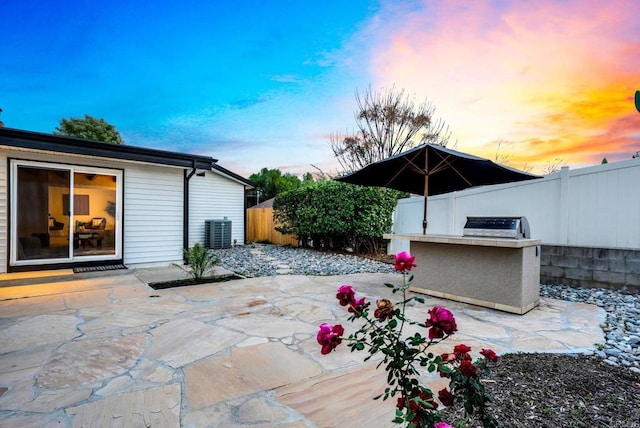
(388, 122)
(553, 166)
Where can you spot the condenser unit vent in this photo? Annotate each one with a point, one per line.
(217, 234)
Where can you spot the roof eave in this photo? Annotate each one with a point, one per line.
(222, 170)
(61, 144)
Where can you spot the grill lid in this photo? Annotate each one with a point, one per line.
(497, 227)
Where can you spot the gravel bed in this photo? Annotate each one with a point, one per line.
(256, 260)
(621, 327)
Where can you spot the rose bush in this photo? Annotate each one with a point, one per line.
(403, 357)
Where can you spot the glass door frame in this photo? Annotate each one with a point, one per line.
(118, 174)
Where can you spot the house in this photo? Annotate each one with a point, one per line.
(67, 202)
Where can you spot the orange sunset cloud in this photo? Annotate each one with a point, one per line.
(546, 79)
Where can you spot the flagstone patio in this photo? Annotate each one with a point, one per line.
(111, 351)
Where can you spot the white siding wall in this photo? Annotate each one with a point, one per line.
(4, 213)
(214, 197)
(153, 207)
(153, 214)
(597, 206)
(4, 182)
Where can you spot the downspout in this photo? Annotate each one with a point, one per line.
(245, 214)
(185, 207)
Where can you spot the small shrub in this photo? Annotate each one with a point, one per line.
(199, 260)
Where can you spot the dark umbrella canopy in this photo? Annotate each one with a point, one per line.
(431, 170)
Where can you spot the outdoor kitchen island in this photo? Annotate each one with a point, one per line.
(497, 273)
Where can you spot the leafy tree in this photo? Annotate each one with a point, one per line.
(307, 178)
(89, 128)
(270, 182)
(388, 122)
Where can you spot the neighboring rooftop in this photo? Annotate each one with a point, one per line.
(265, 204)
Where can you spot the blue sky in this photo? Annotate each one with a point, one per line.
(264, 83)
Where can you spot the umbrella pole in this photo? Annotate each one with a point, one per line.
(426, 190)
(424, 219)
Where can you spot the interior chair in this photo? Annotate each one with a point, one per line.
(55, 224)
(56, 229)
(96, 223)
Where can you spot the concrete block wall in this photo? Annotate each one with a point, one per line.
(610, 268)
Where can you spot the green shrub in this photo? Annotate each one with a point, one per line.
(333, 215)
(199, 261)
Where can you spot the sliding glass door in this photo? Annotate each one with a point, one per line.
(35, 226)
(64, 213)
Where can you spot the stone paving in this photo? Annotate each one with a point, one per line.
(111, 351)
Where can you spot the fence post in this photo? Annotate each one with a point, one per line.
(452, 213)
(563, 221)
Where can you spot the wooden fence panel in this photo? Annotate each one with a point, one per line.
(260, 227)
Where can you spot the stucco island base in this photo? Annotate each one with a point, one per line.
(502, 274)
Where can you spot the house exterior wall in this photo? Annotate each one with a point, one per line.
(153, 206)
(5, 155)
(4, 212)
(214, 197)
(153, 215)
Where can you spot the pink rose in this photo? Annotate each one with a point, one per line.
(448, 358)
(329, 336)
(442, 322)
(346, 295)
(441, 425)
(404, 262)
(489, 355)
(357, 306)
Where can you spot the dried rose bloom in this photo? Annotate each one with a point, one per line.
(384, 311)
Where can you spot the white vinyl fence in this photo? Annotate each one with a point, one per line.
(598, 206)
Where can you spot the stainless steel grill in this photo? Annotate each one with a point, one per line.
(497, 227)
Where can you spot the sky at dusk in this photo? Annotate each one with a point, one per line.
(265, 83)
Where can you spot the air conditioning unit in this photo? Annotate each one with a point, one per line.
(217, 234)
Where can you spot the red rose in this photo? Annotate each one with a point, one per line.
(329, 336)
(346, 295)
(442, 322)
(489, 355)
(446, 397)
(404, 262)
(461, 349)
(467, 369)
